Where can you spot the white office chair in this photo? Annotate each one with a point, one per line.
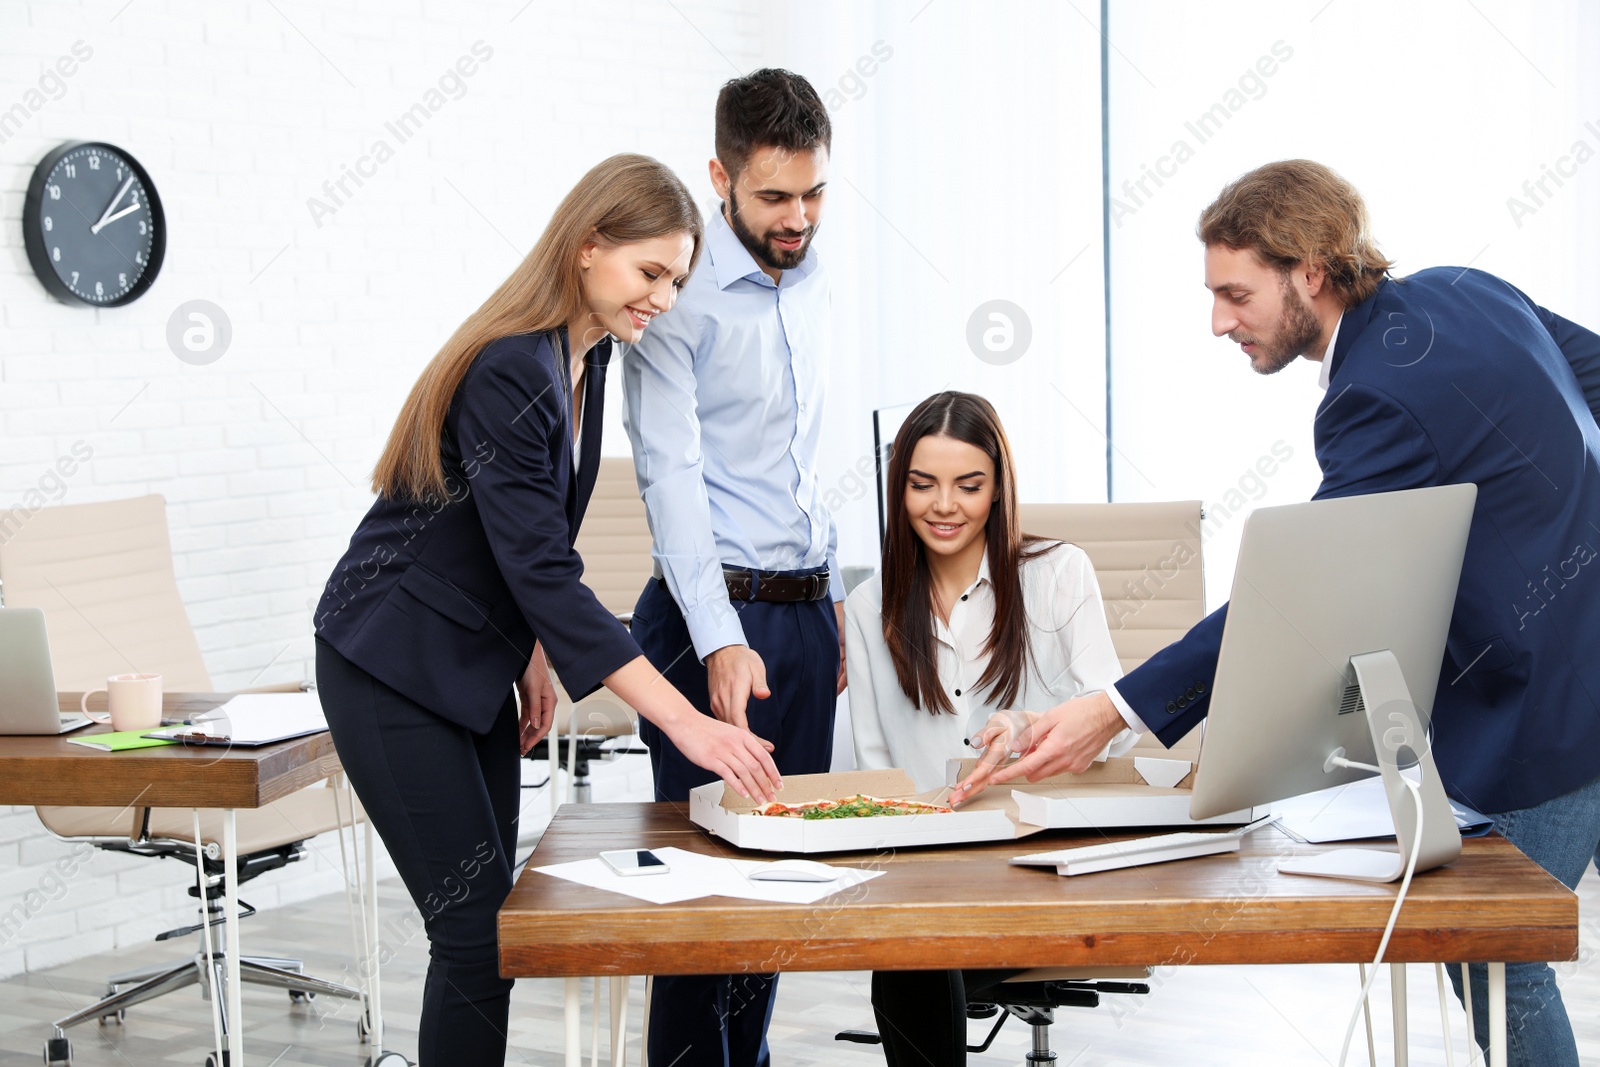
(1147, 558)
(103, 575)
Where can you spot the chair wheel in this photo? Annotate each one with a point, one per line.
(57, 1052)
(365, 1033)
(301, 996)
(119, 1017)
(211, 1060)
(389, 1059)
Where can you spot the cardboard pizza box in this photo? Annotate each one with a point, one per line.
(718, 809)
(1121, 792)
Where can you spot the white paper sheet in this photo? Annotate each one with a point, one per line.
(1352, 812)
(693, 875)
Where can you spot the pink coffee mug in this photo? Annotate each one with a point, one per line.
(133, 700)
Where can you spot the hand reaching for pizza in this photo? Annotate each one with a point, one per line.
(1064, 739)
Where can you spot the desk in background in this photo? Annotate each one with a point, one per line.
(48, 770)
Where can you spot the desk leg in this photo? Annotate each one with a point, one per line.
(572, 1010)
(369, 915)
(230, 910)
(1397, 1001)
(1497, 1015)
(619, 1021)
(644, 1022)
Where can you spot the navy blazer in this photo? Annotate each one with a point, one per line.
(1446, 377)
(442, 599)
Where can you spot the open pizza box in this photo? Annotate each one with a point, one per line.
(1118, 793)
(720, 810)
(1121, 792)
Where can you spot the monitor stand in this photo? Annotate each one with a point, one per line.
(1392, 718)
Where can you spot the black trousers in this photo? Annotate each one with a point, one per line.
(445, 802)
(922, 1015)
(721, 1019)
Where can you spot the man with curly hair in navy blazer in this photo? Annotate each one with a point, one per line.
(1443, 377)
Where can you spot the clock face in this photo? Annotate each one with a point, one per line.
(93, 225)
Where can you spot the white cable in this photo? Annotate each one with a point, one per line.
(205, 940)
(1444, 1015)
(1366, 1015)
(1394, 915)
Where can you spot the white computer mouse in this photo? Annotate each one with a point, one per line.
(795, 871)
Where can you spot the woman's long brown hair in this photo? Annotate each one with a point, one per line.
(622, 199)
(908, 605)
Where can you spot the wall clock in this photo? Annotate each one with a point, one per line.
(93, 225)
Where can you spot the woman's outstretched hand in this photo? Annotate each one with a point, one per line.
(742, 759)
(738, 756)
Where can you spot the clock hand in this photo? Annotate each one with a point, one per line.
(111, 206)
(130, 209)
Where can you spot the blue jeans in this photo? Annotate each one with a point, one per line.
(1562, 836)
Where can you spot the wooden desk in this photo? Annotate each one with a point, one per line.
(966, 907)
(50, 771)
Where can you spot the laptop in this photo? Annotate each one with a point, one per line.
(28, 702)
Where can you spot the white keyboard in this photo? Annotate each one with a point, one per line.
(1111, 855)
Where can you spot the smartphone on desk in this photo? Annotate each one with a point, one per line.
(628, 861)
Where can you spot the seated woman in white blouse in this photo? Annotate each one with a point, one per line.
(968, 614)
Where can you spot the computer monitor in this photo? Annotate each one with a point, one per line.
(1331, 650)
(886, 424)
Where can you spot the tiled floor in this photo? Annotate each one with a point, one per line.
(1214, 1015)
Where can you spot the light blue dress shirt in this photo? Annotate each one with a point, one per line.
(723, 406)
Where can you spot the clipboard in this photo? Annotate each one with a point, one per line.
(251, 720)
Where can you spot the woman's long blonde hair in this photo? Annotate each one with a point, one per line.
(622, 199)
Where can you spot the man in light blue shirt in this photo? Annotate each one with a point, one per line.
(723, 402)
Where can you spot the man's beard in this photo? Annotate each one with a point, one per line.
(762, 248)
(1298, 329)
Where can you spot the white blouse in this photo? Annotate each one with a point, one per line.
(1072, 654)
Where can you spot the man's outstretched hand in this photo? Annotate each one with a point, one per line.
(1065, 739)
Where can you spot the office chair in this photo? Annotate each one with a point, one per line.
(1033, 997)
(103, 575)
(614, 543)
(268, 838)
(1147, 558)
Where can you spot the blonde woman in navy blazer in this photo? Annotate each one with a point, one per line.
(462, 579)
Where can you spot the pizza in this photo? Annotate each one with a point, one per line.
(859, 806)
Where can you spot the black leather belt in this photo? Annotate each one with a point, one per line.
(794, 589)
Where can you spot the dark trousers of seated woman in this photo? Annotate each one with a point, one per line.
(922, 1015)
(445, 801)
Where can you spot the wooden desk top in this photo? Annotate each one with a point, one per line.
(48, 770)
(965, 906)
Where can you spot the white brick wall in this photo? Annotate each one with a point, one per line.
(240, 114)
